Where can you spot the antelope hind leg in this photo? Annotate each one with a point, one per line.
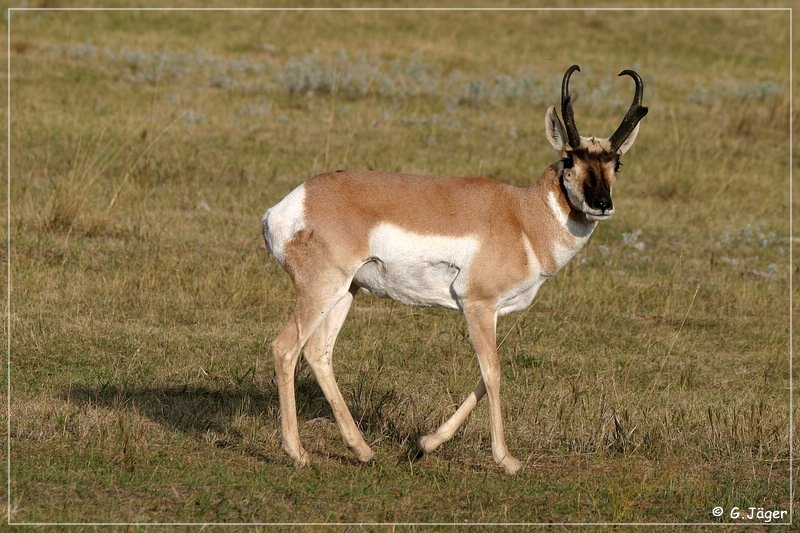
(318, 352)
(431, 441)
(311, 308)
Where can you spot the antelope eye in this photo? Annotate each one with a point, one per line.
(567, 161)
(617, 164)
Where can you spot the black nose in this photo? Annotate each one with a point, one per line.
(603, 204)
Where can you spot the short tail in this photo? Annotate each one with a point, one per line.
(265, 233)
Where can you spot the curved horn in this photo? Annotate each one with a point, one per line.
(573, 137)
(634, 114)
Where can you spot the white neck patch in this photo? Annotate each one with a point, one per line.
(578, 230)
(555, 207)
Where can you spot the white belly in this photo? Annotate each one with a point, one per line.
(417, 269)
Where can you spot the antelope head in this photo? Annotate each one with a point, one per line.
(589, 165)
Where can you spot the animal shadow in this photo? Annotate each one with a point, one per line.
(199, 410)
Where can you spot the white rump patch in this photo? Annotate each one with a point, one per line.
(417, 269)
(282, 221)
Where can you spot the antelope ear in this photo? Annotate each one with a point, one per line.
(554, 130)
(625, 146)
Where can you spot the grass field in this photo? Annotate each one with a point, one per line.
(649, 382)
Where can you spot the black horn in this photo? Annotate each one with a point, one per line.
(634, 114)
(573, 136)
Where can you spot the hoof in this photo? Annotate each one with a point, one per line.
(510, 465)
(429, 443)
(364, 455)
(416, 450)
(300, 457)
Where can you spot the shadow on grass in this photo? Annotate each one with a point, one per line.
(198, 410)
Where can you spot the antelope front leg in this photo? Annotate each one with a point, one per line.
(482, 324)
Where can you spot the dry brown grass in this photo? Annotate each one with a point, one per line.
(648, 382)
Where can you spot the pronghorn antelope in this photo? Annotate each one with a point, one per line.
(465, 243)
